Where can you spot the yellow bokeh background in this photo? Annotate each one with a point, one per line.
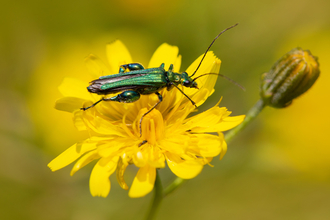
(277, 168)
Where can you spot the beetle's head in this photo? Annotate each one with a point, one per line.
(187, 81)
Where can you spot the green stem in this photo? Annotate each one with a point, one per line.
(174, 185)
(252, 113)
(158, 196)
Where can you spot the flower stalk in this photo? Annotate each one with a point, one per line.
(252, 114)
(157, 199)
(174, 185)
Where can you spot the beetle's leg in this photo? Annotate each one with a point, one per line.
(143, 142)
(92, 105)
(160, 97)
(192, 102)
(125, 97)
(130, 67)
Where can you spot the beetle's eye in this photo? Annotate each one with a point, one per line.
(186, 83)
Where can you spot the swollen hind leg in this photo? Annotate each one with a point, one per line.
(124, 97)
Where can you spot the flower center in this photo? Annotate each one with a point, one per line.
(152, 125)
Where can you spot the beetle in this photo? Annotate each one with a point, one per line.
(139, 81)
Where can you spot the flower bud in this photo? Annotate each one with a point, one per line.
(291, 76)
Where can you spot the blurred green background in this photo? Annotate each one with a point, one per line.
(278, 168)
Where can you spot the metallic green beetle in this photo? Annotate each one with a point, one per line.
(140, 81)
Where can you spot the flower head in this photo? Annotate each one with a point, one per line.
(291, 76)
(168, 134)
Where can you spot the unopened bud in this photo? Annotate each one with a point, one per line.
(291, 76)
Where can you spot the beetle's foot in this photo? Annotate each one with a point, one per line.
(142, 143)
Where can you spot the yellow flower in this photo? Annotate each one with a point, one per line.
(185, 143)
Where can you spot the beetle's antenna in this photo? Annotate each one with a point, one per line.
(211, 45)
(223, 76)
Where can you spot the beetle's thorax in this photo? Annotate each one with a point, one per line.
(181, 78)
(174, 77)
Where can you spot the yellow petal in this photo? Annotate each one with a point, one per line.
(143, 182)
(71, 154)
(74, 88)
(185, 169)
(121, 167)
(69, 104)
(99, 182)
(117, 54)
(205, 120)
(213, 120)
(229, 122)
(207, 83)
(200, 96)
(165, 53)
(209, 64)
(177, 64)
(148, 155)
(96, 66)
(101, 124)
(208, 145)
(211, 80)
(112, 147)
(84, 160)
(104, 126)
(175, 143)
(178, 115)
(206, 64)
(78, 120)
(223, 147)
